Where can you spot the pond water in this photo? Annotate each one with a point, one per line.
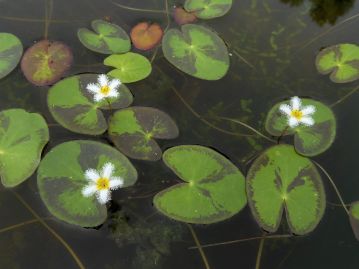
(273, 45)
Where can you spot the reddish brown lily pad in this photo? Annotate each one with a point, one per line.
(145, 36)
(46, 62)
(182, 16)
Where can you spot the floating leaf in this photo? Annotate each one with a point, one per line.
(61, 180)
(280, 178)
(341, 61)
(46, 62)
(73, 106)
(23, 136)
(133, 131)
(107, 38)
(130, 67)
(10, 53)
(145, 36)
(308, 140)
(354, 219)
(208, 9)
(182, 17)
(214, 188)
(197, 51)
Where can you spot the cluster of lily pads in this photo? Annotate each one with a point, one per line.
(76, 178)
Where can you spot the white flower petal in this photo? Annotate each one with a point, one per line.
(293, 122)
(93, 88)
(107, 170)
(92, 175)
(285, 109)
(103, 80)
(98, 97)
(308, 110)
(113, 93)
(308, 121)
(114, 84)
(116, 182)
(103, 196)
(89, 190)
(296, 103)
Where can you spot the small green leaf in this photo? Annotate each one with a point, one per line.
(61, 178)
(133, 131)
(23, 136)
(281, 179)
(214, 189)
(197, 51)
(107, 38)
(46, 62)
(341, 61)
(130, 67)
(354, 218)
(308, 140)
(10, 53)
(74, 107)
(208, 9)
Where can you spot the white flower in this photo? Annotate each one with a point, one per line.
(104, 88)
(102, 183)
(298, 114)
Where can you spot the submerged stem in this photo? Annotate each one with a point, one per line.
(334, 186)
(260, 251)
(138, 9)
(48, 14)
(198, 244)
(345, 96)
(52, 231)
(243, 240)
(249, 127)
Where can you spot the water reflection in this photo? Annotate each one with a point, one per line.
(324, 11)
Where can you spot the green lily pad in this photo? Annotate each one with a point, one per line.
(133, 131)
(354, 218)
(10, 53)
(197, 51)
(214, 188)
(130, 67)
(308, 140)
(208, 9)
(74, 107)
(107, 38)
(341, 61)
(281, 179)
(46, 62)
(61, 179)
(23, 136)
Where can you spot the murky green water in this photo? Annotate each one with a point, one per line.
(273, 45)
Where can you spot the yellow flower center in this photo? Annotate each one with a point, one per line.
(297, 114)
(105, 90)
(103, 183)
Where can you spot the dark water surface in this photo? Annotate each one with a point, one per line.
(279, 41)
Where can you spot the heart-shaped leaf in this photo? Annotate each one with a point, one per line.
(182, 17)
(133, 131)
(130, 67)
(208, 9)
(74, 107)
(280, 178)
(354, 218)
(107, 38)
(308, 140)
(23, 136)
(214, 188)
(197, 51)
(341, 61)
(10, 53)
(61, 179)
(146, 36)
(46, 62)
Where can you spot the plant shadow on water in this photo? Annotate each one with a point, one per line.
(272, 46)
